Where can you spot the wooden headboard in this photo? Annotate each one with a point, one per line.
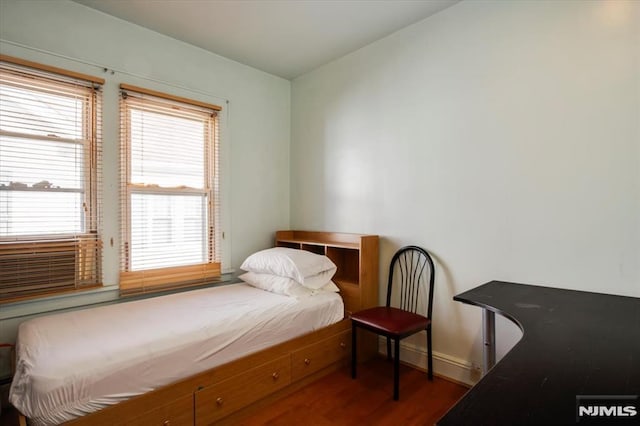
(355, 255)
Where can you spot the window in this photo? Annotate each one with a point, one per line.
(169, 175)
(50, 179)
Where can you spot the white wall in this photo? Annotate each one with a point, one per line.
(255, 122)
(504, 137)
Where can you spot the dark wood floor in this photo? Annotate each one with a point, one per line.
(338, 400)
(8, 417)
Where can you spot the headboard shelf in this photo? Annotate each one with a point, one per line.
(319, 238)
(297, 243)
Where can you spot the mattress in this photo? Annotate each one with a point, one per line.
(75, 363)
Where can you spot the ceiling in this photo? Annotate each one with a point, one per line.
(283, 37)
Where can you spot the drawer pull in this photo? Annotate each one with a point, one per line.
(275, 376)
(343, 345)
(307, 361)
(219, 401)
(166, 423)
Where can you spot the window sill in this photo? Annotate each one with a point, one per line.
(56, 302)
(100, 296)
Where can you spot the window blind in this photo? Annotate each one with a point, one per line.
(169, 175)
(50, 180)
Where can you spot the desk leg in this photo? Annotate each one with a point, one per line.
(489, 338)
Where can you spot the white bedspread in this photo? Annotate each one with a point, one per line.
(75, 363)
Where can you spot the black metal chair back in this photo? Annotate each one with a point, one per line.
(412, 270)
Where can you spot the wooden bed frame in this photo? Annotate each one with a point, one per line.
(226, 393)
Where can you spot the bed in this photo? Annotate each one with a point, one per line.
(197, 357)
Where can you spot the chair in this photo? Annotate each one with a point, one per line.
(412, 269)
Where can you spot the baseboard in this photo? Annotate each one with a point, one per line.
(446, 366)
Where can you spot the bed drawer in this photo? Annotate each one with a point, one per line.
(217, 401)
(176, 413)
(315, 357)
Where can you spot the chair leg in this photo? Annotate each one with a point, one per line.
(429, 355)
(396, 371)
(354, 356)
(388, 348)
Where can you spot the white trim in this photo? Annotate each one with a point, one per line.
(444, 365)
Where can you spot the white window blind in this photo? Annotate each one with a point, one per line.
(169, 151)
(50, 171)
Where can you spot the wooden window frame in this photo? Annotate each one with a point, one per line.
(39, 265)
(133, 282)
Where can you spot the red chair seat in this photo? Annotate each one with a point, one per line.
(391, 321)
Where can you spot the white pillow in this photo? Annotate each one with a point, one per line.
(284, 285)
(329, 287)
(318, 281)
(292, 263)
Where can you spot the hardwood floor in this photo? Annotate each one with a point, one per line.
(338, 400)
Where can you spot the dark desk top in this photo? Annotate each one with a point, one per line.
(573, 343)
